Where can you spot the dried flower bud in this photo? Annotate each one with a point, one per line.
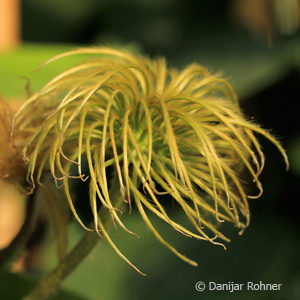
(12, 166)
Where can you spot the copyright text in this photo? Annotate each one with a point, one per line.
(234, 287)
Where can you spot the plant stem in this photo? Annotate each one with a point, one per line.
(84, 247)
(54, 279)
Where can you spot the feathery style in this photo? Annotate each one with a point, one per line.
(161, 130)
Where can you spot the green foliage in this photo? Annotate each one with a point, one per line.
(22, 285)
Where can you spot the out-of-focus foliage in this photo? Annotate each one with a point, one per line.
(24, 285)
(202, 31)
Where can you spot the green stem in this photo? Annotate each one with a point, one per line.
(84, 247)
(54, 279)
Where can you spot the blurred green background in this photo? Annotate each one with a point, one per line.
(264, 68)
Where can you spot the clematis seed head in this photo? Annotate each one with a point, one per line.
(162, 131)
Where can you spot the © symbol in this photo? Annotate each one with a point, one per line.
(200, 286)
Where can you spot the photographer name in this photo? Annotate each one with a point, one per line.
(249, 286)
